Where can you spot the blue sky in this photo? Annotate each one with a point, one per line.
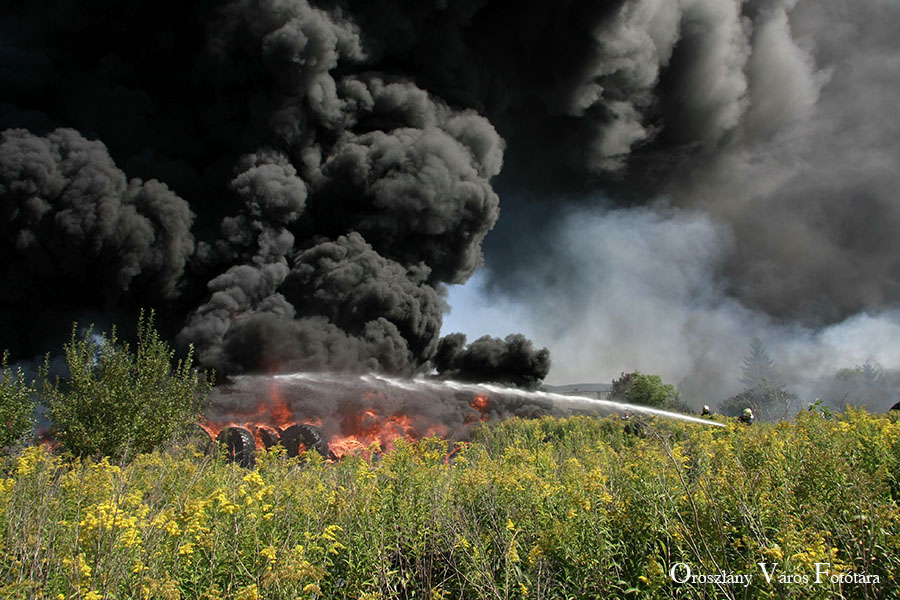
(474, 314)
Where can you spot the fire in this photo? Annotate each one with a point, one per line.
(362, 427)
(280, 412)
(439, 430)
(368, 430)
(270, 416)
(480, 403)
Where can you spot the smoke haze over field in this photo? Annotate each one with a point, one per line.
(293, 184)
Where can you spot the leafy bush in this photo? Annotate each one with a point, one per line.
(116, 400)
(16, 405)
(647, 390)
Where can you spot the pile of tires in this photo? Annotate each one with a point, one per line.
(239, 443)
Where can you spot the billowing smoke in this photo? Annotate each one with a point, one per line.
(296, 182)
(333, 200)
(760, 204)
(772, 118)
(77, 232)
(511, 361)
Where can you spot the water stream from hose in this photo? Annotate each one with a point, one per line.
(496, 392)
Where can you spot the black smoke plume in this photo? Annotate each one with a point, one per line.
(77, 233)
(323, 205)
(511, 361)
(293, 183)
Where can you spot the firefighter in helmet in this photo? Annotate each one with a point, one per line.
(746, 416)
(706, 412)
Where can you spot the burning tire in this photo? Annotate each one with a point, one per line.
(239, 445)
(297, 438)
(269, 436)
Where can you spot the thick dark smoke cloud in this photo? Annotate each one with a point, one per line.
(333, 200)
(77, 233)
(330, 166)
(511, 361)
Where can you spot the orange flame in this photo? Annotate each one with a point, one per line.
(362, 432)
(279, 410)
(480, 403)
(370, 429)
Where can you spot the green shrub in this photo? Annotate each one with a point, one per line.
(16, 405)
(647, 390)
(116, 400)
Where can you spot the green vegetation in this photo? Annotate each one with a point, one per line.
(648, 390)
(767, 402)
(116, 401)
(16, 405)
(538, 509)
(763, 391)
(571, 508)
(863, 385)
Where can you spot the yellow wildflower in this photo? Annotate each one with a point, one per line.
(312, 588)
(268, 553)
(513, 554)
(248, 593)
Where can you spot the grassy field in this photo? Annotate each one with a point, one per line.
(573, 508)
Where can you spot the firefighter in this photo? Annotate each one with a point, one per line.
(746, 417)
(632, 426)
(706, 412)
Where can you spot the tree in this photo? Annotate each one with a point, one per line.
(759, 367)
(646, 390)
(862, 385)
(16, 405)
(115, 400)
(763, 393)
(768, 403)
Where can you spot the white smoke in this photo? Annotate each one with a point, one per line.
(647, 296)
